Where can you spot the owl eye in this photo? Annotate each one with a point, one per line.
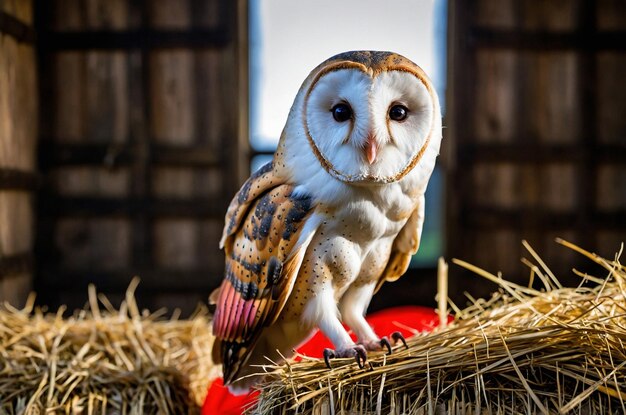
(398, 112)
(341, 112)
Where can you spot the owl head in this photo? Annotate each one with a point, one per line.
(365, 118)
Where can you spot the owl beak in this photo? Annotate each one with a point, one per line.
(371, 149)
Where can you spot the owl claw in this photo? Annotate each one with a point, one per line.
(360, 356)
(358, 351)
(396, 335)
(384, 342)
(328, 354)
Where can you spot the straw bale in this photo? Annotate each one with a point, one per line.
(523, 350)
(103, 361)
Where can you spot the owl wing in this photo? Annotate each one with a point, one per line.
(264, 244)
(404, 246)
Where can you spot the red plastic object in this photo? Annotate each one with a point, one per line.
(403, 319)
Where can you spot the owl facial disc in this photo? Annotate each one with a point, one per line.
(369, 124)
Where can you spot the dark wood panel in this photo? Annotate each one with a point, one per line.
(17, 29)
(12, 179)
(143, 141)
(535, 153)
(100, 206)
(152, 279)
(136, 39)
(16, 264)
(536, 144)
(59, 153)
(491, 217)
(18, 134)
(546, 41)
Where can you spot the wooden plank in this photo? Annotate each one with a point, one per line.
(192, 156)
(136, 39)
(106, 97)
(588, 222)
(176, 243)
(611, 14)
(184, 182)
(529, 151)
(16, 232)
(14, 289)
(70, 15)
(610, 242)
(18, 134)
(210, 88)
(209, 13)
(18, 105)
(65, 83)
(509, 40)
(236, 17)
(503, 14)
(12, 179)
(461, 74)
(611, 187)
(20, 9)
(172, 97)
(53, 154)
(494, 97)
(182, 243)
(553, 15)
(152, 279)
(89, 180)
(611, 84)
(92, 242)
(18, 30)
(102, 206)
(478, 218)
(558, 189)
(16, 264)
(550, 111)
(170, 14)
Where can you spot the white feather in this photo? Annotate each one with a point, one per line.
(352, 307)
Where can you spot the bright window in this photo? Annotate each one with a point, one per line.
(289, 38)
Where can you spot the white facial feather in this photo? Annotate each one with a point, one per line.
(399, 140)
(343, 143)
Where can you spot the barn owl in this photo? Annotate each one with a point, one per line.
(312, 235)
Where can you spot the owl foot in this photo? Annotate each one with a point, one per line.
(384, 342)
(397, 336)
(377, 345)
(357, 351)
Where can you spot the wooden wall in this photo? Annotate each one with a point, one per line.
(535, 142)
(18, 133)
(143, 142)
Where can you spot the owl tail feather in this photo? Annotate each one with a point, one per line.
(233, 356)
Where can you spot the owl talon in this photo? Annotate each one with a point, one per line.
(396, 335)
(360, 356)
(384, 342)
(358, 351)
(328, 354)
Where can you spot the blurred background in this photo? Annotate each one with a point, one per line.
(126, 126)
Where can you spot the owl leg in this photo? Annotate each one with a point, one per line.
(323, 310)
(353, 305)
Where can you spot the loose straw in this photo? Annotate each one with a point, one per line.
(442, 292)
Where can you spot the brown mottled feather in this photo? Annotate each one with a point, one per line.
(263, 227)
(260, 181)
